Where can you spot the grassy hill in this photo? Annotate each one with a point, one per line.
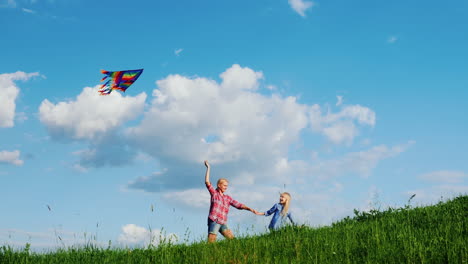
(431, 234)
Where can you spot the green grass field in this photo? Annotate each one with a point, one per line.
(431, 234)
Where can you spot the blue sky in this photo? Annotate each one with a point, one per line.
(344, 105)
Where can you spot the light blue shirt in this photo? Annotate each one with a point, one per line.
(278, 220)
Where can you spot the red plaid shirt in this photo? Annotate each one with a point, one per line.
(219, 207)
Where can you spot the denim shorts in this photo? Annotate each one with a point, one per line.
(214, 228)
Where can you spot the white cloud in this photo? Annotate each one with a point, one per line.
(245, 134)
(91, 115)
(359, 163)
(8, 94)
(339, 100)
(222, 122)
(133, 234)
(141, 156)
(79, 168)
(341, 127)
(444, 176)
(28, 11)
(344, 131)
(11, 157)
(178, 51)
(363, 115)
(226, 122)
(198, 198)
(300, 6)
(392, 39)
(237, 80)
(271, 87)
(363, 162)
(366, 142)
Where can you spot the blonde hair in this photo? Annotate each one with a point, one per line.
(221, 180)
(285, 210)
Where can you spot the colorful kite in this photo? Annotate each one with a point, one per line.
(118, 80)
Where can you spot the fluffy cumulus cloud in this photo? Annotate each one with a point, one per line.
(8, 94)
(11, 157)
(247, 135)
(90, 116)
(300, 6)
(226, 122)
(137, 235)
(222, 122)
(341, 127)
(198, 198)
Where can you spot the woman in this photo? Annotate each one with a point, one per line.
(219, 207)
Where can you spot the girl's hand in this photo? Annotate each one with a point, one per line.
(207, 164)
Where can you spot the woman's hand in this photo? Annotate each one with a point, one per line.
(257, 212)
(207, 164)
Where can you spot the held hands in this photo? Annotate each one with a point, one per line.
(256, 212)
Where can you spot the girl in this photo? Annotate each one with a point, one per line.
(280, 211)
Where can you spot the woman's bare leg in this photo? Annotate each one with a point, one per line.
(227, 234)
(211, 238)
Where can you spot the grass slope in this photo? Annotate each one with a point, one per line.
(431, 234)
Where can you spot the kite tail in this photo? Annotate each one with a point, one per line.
(106, 84)
(105, 91)
(105, 88)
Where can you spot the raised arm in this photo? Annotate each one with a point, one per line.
(207, 174)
